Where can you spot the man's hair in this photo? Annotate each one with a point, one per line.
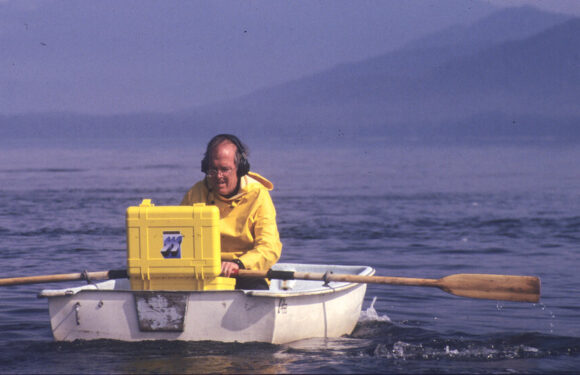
(241, 157)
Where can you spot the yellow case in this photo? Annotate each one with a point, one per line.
(174, 248)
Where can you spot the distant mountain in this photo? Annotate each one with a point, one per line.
(445, 78)
(501, 26)
(463, 40)
(512, 76)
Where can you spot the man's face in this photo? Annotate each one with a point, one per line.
(222, 174)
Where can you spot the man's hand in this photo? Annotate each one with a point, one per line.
(228, 268)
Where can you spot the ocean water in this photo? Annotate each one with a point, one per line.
(405, 210)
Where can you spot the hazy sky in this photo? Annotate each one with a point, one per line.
(132, 56)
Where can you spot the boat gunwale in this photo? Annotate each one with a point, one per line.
(250, 293)
(323, 289)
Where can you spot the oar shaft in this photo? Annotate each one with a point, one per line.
(99, 275)
(409, 281)
(291, 275)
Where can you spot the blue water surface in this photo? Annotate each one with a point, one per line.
(413, 211)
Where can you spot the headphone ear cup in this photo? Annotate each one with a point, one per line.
(244, 167)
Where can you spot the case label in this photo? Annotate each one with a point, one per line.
(171, 245)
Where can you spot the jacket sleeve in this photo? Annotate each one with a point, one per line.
(267, 246)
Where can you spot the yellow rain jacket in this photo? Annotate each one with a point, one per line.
(247, 221)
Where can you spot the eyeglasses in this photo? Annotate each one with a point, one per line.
(216, 172)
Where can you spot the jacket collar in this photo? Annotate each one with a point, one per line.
(249, 182)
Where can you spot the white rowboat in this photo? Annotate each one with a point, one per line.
(290, 310)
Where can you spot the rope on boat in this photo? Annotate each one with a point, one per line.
(326, 278)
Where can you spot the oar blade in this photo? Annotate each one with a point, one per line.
(498, 287)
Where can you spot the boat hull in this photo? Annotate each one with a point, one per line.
(285, 313)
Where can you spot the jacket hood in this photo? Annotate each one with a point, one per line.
(253, 178)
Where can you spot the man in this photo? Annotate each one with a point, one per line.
(249, 234)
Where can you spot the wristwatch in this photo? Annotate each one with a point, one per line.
(239, 263)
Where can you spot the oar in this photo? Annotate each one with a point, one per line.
(99, 275)
(495, 287)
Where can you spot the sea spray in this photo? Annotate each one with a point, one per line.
(370, 314)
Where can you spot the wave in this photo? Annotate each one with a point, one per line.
(46, 232)
(391, 341)
(464, 229)
(371, 315)
(44, 170)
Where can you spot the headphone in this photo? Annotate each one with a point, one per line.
(242, 163)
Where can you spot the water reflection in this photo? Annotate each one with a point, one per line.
(256, 363)
(154, 357)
